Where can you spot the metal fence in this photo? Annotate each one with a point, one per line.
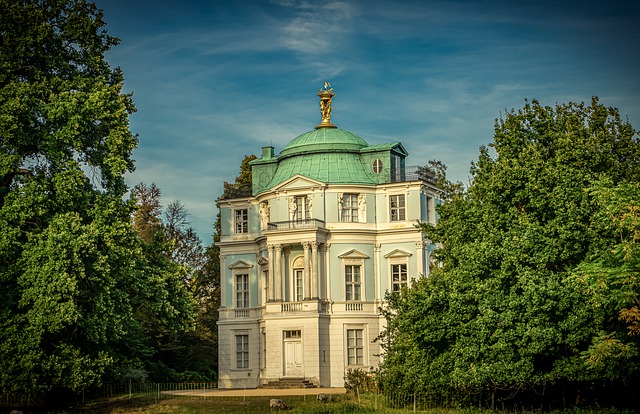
(157, 392)
(154, 390)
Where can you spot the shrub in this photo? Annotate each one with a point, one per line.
(358, 380)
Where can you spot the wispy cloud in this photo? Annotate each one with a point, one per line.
(214, 81)
(317, 27)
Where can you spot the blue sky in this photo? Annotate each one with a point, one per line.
(216, 80)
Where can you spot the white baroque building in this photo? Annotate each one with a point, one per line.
(307, 259)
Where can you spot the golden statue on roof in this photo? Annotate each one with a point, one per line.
(326, 99)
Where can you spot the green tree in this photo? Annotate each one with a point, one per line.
(73, 274)
(611, 278)
(168, 239)
(504, 316)
(146, 218)
(242, 186)
(202, 349)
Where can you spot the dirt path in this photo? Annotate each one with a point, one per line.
(259, 392)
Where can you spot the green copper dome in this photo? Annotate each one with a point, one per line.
(327, 167)
(324, 140)
(327, 154)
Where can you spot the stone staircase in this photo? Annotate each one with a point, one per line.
(290, 383)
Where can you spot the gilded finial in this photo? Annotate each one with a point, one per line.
(326, 99)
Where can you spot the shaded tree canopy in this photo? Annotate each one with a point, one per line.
(512, 313)
(176, 355)
(75, 282)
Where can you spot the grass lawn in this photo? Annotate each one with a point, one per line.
(341, 404)
(297, 404)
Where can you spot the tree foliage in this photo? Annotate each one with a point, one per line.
(189, 355)
(512, 312)
(77, 288)
(242, 185)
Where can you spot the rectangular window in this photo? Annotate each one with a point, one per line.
(397, 207)
(349, 213)
(396, 169)
(298, 284)
(398, 277)
(301, 211)
(355, 347)
(353, 280)
(242, 291)
(241, 220)
(265, 287)
(264, 350)
(292, 334)
(242, 351)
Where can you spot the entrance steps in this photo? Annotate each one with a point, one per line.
(290, 383)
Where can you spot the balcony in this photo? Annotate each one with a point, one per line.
(309, 223)
(354, 306)
(411, 173)
(242, 313)
(350, 307)
(312, 306)
(291, 307)
(239, 313)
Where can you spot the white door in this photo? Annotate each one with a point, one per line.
(293, 358)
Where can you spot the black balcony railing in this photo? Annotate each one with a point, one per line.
(309, 223)
(413, 173)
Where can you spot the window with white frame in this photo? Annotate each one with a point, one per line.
(265, 289)
(398, 276)
(301, 211)
(264, 350)
(397, 207)
(298, 284)
(355, 347)
(377, 166)
(242, 290)
(241, 220)
(349, 213)
(242, 351)
(353, 282)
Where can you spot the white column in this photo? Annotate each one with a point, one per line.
(287, 293)
(314, 270)
(271, 274)
(307, 273)
(420, 257)
(223, 281)
(327, 270)
(376, 271)
(260, 282)
(427, 272)
(278, 273)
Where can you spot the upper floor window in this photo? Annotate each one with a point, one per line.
(353, 282)
(397, 207)
(398, 276)
(349, 208)
(241, 220)
(299, 207)
(377, 166)
(242, 291)
(396, 169)
(298, 284)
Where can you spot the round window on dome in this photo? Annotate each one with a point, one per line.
(377, 166)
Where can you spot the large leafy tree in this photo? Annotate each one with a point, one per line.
(510, 314)
(73, 274)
